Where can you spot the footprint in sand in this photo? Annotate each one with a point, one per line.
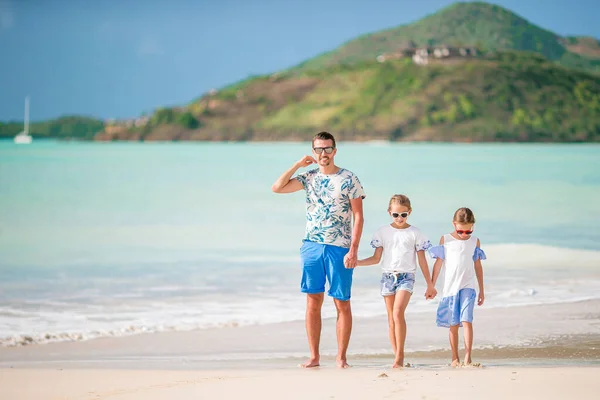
(454, 364)
(472, 365)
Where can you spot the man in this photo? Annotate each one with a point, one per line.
(334, 197)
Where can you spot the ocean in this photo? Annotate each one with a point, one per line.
(120, 239)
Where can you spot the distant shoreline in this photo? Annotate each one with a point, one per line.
(345, 141)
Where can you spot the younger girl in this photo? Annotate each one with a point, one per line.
(460, 252)
(401, 244)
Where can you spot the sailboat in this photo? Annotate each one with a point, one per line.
(24, 137)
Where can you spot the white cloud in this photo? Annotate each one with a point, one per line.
(149, 47)
(7, 15)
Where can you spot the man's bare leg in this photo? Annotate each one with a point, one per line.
(314, 302)
(343, 330)
(453, 334)
(468, 333)
(400, 304)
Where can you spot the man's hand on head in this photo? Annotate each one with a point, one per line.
(305, 161)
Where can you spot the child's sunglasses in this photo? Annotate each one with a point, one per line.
(319, 150)
(402, 214)
(460, 232)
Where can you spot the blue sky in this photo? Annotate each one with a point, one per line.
(120, 58)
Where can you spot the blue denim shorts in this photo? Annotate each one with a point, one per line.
(324, 262)
(392, 282)
(454, 310)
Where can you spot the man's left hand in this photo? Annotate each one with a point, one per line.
(350, 259)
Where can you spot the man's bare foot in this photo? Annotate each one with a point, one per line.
(455, 363)
(342, 364)
(312, 363)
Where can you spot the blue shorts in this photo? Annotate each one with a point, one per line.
(393, 282)
(453, 310)
(322, 262)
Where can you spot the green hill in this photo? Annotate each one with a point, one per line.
(487, 26)
(508, 96)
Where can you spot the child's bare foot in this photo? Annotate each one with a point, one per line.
(312, 363)
(342, 364)
(455, 363)
(398, 364)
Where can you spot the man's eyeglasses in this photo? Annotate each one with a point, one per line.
(402, 214)
(319, 150)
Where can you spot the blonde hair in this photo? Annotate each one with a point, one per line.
(464, 215)
(401, 200)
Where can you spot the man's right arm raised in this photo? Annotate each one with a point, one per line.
(285, 183)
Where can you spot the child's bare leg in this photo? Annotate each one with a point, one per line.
(468, 333)
(389, 305)
(400, 303)
(454, 345)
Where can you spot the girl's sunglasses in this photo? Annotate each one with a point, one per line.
(402, 214)
(460, 232)
(319, 150)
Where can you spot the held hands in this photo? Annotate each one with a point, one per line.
(350, 260)
(480, 299)
(305, 161)
(430, 293)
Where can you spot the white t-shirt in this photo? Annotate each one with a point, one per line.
(460, 267)
(400, 247)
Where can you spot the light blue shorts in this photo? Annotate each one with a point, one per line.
(324, 262)
(454, 310)
(393, 282)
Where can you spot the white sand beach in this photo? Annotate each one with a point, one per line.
(323, 383)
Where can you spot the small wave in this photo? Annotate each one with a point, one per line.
(530, 256)
(23, 339)
(518, 293)
(166, 306)
(54, 337)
